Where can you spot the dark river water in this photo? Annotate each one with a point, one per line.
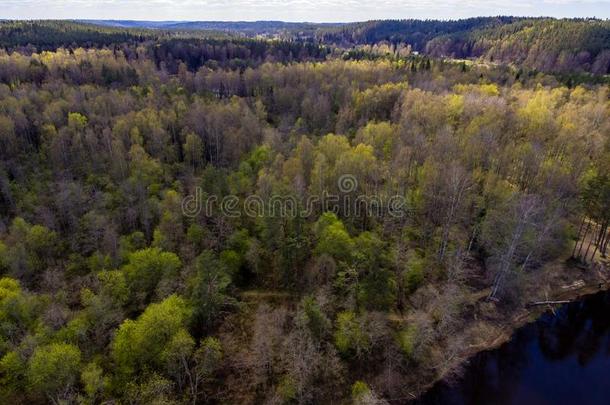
(559, 359)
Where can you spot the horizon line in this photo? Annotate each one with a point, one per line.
(304, 21)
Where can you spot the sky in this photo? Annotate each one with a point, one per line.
(295, 10)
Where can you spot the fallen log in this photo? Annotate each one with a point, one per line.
(574, 285)
(536, 303)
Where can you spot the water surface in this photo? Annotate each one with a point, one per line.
(559, 359)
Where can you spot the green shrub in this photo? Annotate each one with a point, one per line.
(406, 340)
(350, 337)
(414, 275)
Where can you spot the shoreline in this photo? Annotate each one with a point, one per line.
(523, 316)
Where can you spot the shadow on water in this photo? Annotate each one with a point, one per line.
(559, 359)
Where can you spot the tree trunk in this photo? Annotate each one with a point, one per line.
(582, 224)
(583, 238)
(474, 234)
(532, 304)
(603, 239)
(599, 240)
(590, 243)
(528, 208)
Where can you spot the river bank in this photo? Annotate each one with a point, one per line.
(562, 358)
(571, 283)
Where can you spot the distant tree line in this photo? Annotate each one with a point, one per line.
(545, 44)
(164, 47)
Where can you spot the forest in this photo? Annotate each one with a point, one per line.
(565, 46)
(112, 292)
(545, 44)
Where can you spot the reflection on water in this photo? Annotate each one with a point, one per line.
(560, 359)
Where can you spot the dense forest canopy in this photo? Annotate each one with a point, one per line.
(110, 290)
(193, 49)
(232, 27)
(415, 32)
(49, 35)
(544, 44)
(540, 43)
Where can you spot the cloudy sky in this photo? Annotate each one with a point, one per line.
(296, 10)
